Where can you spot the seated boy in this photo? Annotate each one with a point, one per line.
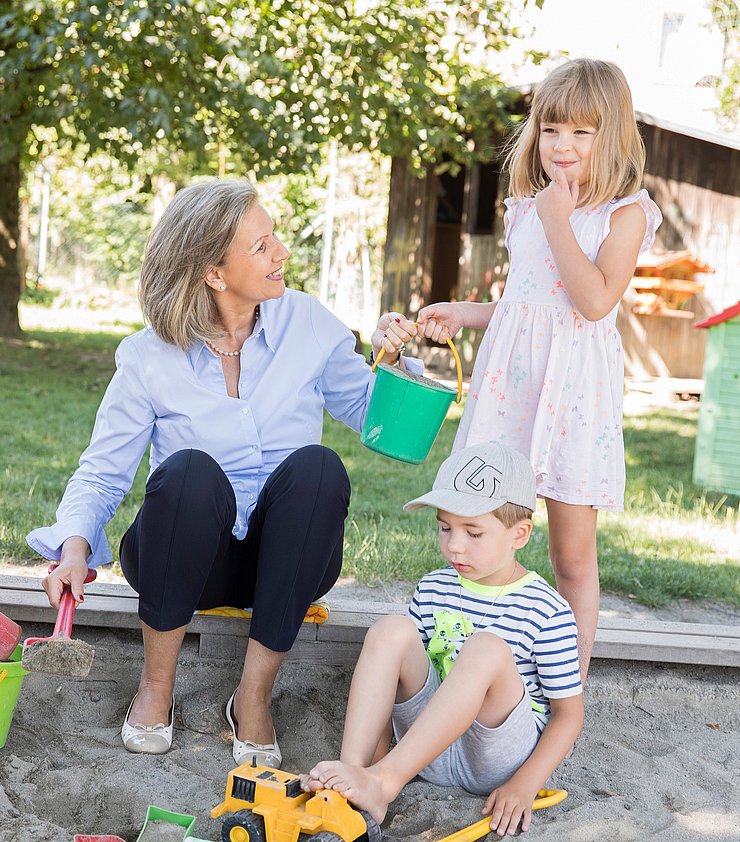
(480, 682)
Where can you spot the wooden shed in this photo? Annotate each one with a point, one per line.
(657, 314)
(694, 177)
(444, 241)
(717, 456)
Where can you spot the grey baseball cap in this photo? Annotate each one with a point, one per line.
(480, 479)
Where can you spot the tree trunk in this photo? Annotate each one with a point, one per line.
(10, 282)
(409, 243)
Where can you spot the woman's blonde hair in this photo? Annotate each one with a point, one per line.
(586, 92)
(192, 237)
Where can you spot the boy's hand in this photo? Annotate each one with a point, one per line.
(508, 804)
(558, 200)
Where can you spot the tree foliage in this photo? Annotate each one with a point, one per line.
(726, 14)
(120, 76)
(270, 81)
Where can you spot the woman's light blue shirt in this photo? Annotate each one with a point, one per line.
(299, 360)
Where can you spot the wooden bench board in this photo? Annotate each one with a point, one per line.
(338, 641)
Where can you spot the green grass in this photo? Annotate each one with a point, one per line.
(51, 383)
(674, 539)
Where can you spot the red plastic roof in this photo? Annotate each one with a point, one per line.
(724, 316)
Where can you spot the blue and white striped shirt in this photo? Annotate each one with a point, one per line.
(528, 614)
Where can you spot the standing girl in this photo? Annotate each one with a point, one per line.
(548, 379)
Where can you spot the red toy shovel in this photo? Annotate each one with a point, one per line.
(59, 654)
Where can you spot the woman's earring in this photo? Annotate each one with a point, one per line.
(222, 287)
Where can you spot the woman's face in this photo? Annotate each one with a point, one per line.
(252, 270)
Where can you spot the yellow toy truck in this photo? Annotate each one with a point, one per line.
(268, 805)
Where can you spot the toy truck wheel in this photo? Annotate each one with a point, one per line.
(326, 836)
(374, 833)
(243, 826)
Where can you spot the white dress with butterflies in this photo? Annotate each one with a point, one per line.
(548, 382)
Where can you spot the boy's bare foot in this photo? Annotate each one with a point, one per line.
(363, 787)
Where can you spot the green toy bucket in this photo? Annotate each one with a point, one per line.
(406, 412)
(11, 678)
(157, 816)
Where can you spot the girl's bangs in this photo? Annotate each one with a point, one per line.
(569, 104)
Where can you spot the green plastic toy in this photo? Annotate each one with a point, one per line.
(406, 412)
(165, 826)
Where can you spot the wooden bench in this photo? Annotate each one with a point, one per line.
(338, 641)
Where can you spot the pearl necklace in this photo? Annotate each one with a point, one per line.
(231, 353)
(220, 351)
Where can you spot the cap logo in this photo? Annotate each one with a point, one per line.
(477, 477)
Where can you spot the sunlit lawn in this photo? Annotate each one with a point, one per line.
(673, 540)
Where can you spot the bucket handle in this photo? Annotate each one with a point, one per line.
(3, 674)
(457, 364)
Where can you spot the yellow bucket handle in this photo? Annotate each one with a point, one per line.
(545, 798)
(457, 364)
(3, 674)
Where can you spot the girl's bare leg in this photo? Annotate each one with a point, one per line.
(572, 536)
(484, 684)
(157, 682)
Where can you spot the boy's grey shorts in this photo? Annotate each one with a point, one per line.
(482, 758)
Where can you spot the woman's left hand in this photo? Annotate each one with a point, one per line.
(392, 333)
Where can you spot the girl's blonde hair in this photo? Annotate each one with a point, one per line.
(192, 237)
(591, 93)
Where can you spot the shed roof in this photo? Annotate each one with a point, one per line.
(727, 314)
(720, 138)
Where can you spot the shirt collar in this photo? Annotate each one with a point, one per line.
(264, 325)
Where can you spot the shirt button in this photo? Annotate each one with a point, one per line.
(251, 496)
(245, 411)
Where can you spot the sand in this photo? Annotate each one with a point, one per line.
(59, 656)
(412, 377)
(659, 758)
(161, 831)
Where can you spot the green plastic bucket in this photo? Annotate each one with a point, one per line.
(11, 678)
(406, 412)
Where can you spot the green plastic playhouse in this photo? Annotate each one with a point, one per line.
(717, 456)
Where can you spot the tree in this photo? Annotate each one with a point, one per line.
(120, 76)
(268, 81)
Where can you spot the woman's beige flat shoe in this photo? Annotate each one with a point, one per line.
(147, 739)
(261, 754)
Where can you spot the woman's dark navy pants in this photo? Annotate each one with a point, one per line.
(180, 555)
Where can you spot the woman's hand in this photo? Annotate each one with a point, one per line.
(71, 571)
(558, 200)
(440, 322)
(392, 333)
